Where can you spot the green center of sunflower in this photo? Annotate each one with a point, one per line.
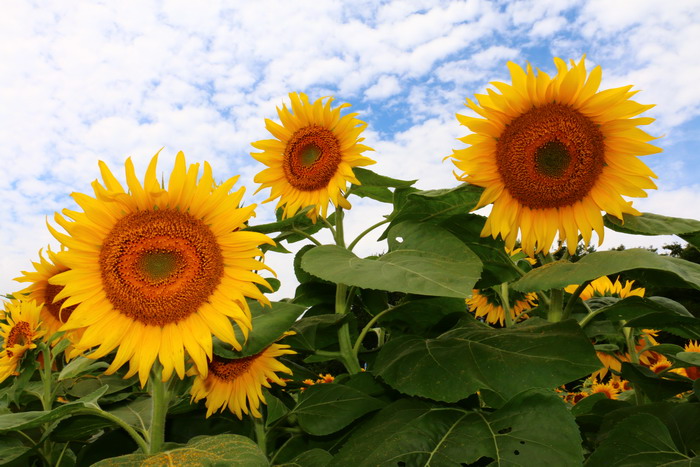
(309, 154)
(552, 159)
(158, 264)
(550, 156)
(311, 158)
(159, 267)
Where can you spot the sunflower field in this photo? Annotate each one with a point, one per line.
(148, 336)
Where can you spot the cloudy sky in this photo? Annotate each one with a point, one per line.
(88, 81)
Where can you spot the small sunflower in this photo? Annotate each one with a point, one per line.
(487, 303)
(156, 270)
(552, 153)
(311, 159)
(53, 316)
(610, 389)
(604, 287)
(21, 329)
(692, 372)
(237, 383)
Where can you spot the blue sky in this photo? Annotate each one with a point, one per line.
(107, 80)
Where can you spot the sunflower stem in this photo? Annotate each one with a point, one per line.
(160, 398)
(574, 297)
(505, 303)
(556, 309)
(260, 435)
(368, 326)
(634, 357)
(309, 236)
(46, 378)
(342, 305)
(591, 314)
(142, 444)
(365, 232)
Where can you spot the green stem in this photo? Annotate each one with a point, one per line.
(117, 421)
(260, 435)
(328, 224)
(634, 357)
(556, 309)
(46, 379)
(505, 303)
(342, 305)
(348, 357)
(572, 300)
(304, 234)
(365, 232)
(160, 399)
(327, 353)
(368, 326)
(591, 314)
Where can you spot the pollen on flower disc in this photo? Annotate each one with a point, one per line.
(229, 370)
(550, 156)
(159, 266)
(21, 333)
(311, 158)
(54, 308)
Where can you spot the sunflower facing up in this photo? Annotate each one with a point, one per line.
(237, 383)
(311, 158)
(21, 329)
(53, 316)
(156, 270)
(552, 153)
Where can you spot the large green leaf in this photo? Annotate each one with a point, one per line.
(11, 449)
(375, 186)
(230, 450)
(684, 326)
(534, 428)
(32, 419)
(436, 205)
(651, 384)
(316, 457)
(634, 307)
(417, 315)
(641, 439)
(562, 273)
(425, 260)
(498, 267)
(326, 408)
(474, 356)
(269, 323)
(316, 332)
(652, 224)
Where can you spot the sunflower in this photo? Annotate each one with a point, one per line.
(22, 329)
(155, 271)
(52, 315)
(487, 303)
(610, 389)
(604, 287)
(311, 160)
(237, 383)
(552, 153)
(692, 372)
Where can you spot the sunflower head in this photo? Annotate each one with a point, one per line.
(310, 161)
(552, 153)
(53, 314)
(237, 383)
(604, 287)
(22, 327)
(487, 303)
(156, 269)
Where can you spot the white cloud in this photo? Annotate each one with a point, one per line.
(384, 87)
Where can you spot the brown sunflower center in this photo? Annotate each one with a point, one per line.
(229, 370)
(20, 334)
(311, 158)
(54, 308)
(159, 267)
(550, 156)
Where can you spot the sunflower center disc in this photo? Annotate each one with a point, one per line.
(550, 156)
(54, 309)
(20, 334)
(229, 370)
(552, 159)
(311, 158)
(159, 267)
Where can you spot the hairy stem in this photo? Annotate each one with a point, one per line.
(160, 398)
(365, 232)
